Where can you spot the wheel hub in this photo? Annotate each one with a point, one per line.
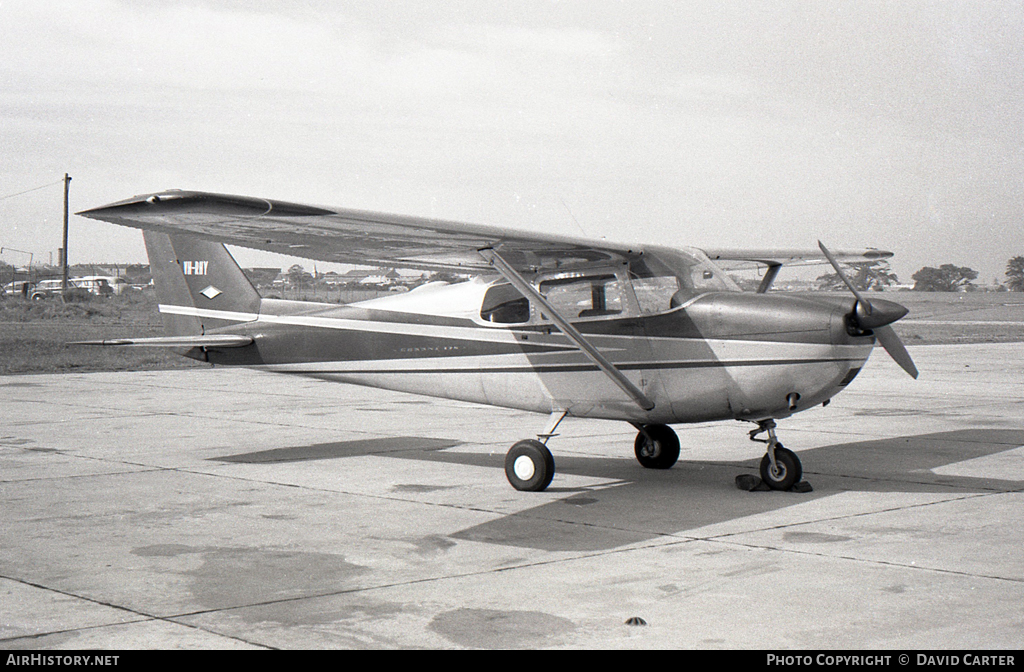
(524, 468)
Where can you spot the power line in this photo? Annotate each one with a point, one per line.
(51, 184)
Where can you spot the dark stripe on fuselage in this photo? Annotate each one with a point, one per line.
(294, 344)
(579, 368)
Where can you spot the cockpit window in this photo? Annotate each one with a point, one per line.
(660, 279)
(585, 295)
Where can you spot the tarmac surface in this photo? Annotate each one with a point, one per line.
(233, 509)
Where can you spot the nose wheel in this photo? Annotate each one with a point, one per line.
(780, 467)
(785, 472)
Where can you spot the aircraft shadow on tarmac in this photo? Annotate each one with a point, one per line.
(329, 451)
(637, 504)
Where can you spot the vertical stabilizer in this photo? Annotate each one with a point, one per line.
(198, 284)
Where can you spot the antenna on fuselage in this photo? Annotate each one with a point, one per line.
(578, 226)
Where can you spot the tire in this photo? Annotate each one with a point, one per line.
(790, 470)
(529, 466)
(661, 452)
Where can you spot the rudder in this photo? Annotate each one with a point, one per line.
(198, 284)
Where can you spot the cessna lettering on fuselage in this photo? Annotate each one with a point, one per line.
(562, 326)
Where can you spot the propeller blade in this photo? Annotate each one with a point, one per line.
(842, 276)
(894, 346)
(867, 315)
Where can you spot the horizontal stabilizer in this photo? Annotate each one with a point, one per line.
(208, 341)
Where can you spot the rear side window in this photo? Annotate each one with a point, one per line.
(504, 304)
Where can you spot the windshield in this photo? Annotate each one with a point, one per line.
(664, 278)
(661, 279)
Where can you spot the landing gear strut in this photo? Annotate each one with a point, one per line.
(780, 467)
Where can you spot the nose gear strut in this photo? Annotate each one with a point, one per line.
(780, 467)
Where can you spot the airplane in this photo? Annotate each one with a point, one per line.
(567, 327)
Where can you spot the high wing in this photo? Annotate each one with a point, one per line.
(351, 236)
(792, 257)
(774, 260)
(398, 241)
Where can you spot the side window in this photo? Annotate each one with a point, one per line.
(593, 296)
(505, 305)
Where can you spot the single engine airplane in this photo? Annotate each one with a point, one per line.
(649, 335)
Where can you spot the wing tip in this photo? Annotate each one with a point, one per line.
(173, 200)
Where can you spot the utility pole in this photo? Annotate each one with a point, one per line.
(64, 271)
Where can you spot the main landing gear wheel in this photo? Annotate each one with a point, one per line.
(529, 466)
(787, 471)
(657, 447)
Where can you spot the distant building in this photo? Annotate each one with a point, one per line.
(373, 276)
(263, 277)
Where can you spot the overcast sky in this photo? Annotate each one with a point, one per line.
(745, 124)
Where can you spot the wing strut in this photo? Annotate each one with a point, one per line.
(575, 336)
(770, 274)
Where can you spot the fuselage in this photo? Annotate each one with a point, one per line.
(717, 355)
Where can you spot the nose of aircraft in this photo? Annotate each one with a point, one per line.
(876, 316)
(877, 313)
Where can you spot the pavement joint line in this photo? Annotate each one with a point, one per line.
(875, 478)
(724, 538)
(951, 486)
(884, 563)
(949, 497)
(142, 616)
(196, 472)
(146, 469)
(188, 414)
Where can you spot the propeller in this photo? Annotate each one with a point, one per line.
(877, 317)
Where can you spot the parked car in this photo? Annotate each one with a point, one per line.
(53, 287)
(18, 288)
(45, 288)
(92, 284)
(117, 285)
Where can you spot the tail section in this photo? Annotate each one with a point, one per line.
(198, 284)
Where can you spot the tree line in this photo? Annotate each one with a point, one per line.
(867, 275)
